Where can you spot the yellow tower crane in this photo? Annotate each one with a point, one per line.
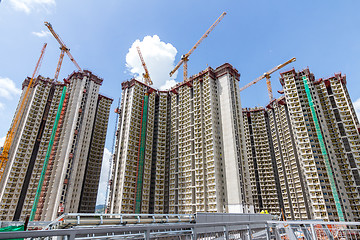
(10, 134)
(146, 75)
(185, 58)
(64, 49)
(267, 76)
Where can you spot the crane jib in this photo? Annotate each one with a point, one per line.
(267, 74)
(186, 56)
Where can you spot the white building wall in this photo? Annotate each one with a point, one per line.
(233, 187)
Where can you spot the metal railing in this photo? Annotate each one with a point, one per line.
(245, 230)
(229, 230)
(314, 230)
(95, 219)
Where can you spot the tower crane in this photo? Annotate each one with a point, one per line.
(146, 74)
(267, 76)
(185, 58)
(10, 134)
(64, 49)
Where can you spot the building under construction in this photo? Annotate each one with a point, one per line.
(62, 130)
(192, 149)
(262, 161)
(328, 143)
(180, 151)
(276, 177)
(303, 150)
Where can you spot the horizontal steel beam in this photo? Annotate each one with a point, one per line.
(149, 230)
(72, 233)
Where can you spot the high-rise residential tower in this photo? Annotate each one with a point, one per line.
(288, 172)
(192, 148)
(180, 151)
(328, 143)
(64, 125)
(276, 175)
(303, 150)
(262, 161)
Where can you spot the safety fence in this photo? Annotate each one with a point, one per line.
(246, 230)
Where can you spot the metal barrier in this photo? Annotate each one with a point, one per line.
(95, 219)
(245, 230)
(231, 230)
(314, 230)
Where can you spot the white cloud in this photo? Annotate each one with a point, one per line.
(104, 176)
(2, 106)
(2, 140)
(168, 84)
(42, 33)
(357, 107)
(28, 5)
(159, 58)
(8, 89)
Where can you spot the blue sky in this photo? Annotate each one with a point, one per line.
(254, 37)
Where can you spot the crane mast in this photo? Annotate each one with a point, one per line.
(10, 134)
(185, 58)
(64, 49)
(146, 75)
(267, 76)
(58, 67)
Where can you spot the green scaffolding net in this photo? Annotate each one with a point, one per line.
(47, 156)
(141, 159)
(323, 150)
(13, 229)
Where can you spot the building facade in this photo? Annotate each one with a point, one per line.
(276, 175)
(262, 161)
(180, 151)
(291, 187)
(303, 150)
(192, 149)
(64, 125)
(325, 130)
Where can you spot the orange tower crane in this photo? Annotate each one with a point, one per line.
(267, 76)
(10, 134)
(64, 49)
(185, 58)
(146, 75)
